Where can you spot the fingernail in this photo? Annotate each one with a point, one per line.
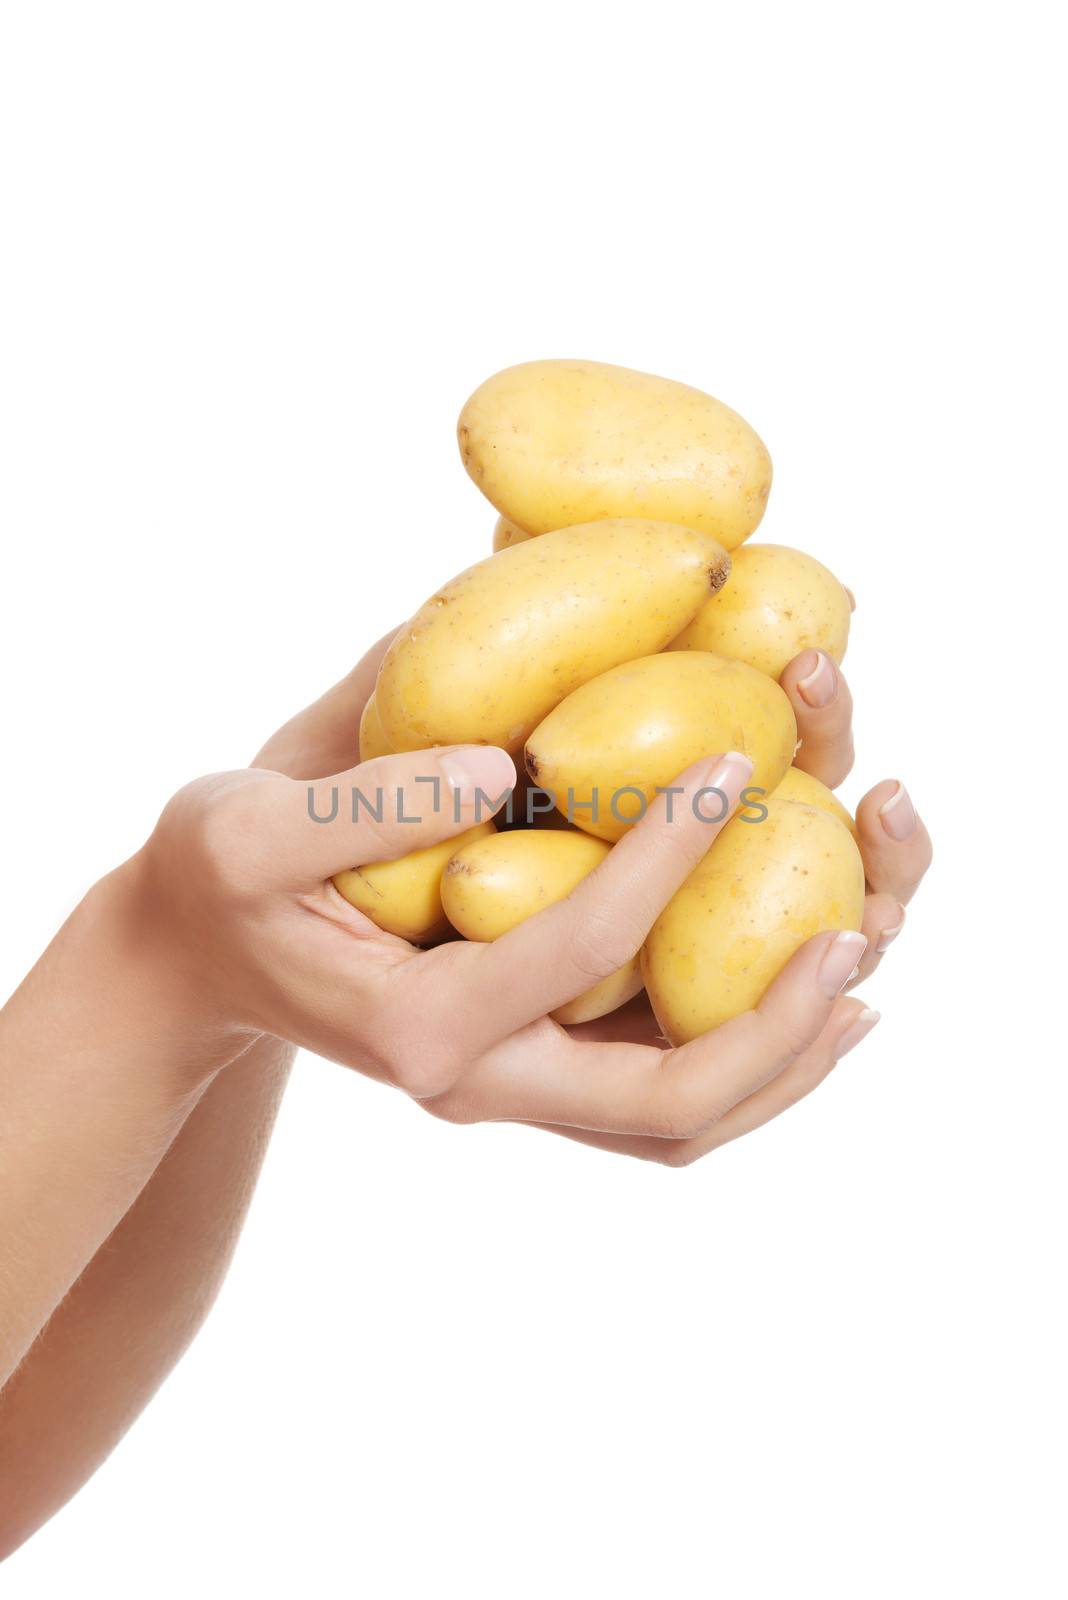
(729, 773)
(820, 685)
(478, 767)
(840, 961)
(888, 935)
(850, 596)
(861, 1025)
(898, 815)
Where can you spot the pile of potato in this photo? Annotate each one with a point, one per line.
(611, 641)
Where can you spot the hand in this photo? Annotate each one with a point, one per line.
(893, 841)
(239, 875)
(897, 853)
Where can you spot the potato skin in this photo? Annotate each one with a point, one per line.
(493, 884)
(373, 741)
(760, 892)
(778, 603)
(551, 443)
(639, 725)
(506, 534)
(494, 650)
(803, 787)
(404, 896)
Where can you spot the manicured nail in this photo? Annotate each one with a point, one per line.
(850, 596)
(888, 935)
(840, 961)
(861, 1025)
(729, 773)
(819, 687)
(898, 815)
(478, 767)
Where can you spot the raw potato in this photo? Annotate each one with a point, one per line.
(497, 882)
(638, 726)
(506, 533)
(760, 892)
(778, 602)
(373, 741)
(494, 650)
(404, 896)
(802, 786)
(551, 443)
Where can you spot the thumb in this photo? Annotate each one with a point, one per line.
(395, 804)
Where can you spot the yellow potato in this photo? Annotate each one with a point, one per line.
(491, 885)
(404, 896)
(506, 533)
(637, 727)
(802, 786)
(778, 602)
(487, 656)
(373, 741)
(551, 443)
(760, 892)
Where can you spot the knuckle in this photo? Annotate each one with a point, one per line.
(810, 1074)
(843, 768)
(424, 1064)
(210, 826)
(684, 1153)
(837, 763)
(679, 1121)
(600, 943)
(784, 1037)
(452, 1108)
(679, 849)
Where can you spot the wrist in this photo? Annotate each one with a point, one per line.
(156, 976)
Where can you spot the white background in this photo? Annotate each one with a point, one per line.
(255, 258)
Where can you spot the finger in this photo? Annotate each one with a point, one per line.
(884, 918)
(823, 707)
(893, 841)
(384, 809)
(567, 948)
(324, 737)
(849, 1023)
(672, 1094)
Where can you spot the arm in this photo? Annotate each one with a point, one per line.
(227, 918)
(137, 1305)
(134, 1310)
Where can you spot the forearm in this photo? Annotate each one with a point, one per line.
(103, 1054)
(134, 1310)
(137, 1301)
(141, 1297)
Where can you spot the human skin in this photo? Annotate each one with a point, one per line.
(140, 1079)
(127, 1320)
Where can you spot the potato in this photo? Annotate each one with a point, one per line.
(778, 602)
(493, 884)
(802, 786)
(494, 650)
(760, 892)
(404, 896)
(373, 741)
(551, 443)
(506, 533)
(638, 726)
